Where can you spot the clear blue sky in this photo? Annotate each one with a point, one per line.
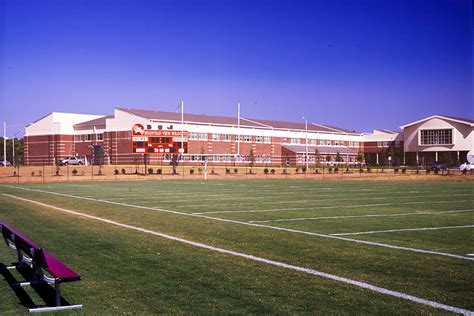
(357, 64)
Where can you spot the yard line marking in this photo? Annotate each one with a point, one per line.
(429, 212)
(371, 243)
(329, 207)
(402, 230)
(333, 277)
(337, 199)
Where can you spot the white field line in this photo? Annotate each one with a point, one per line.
(365, 242)
(332, 199)
(333, 277)
(402, 230)
(428, 212)
(330, 207)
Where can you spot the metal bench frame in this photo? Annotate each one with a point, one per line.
(38, 276)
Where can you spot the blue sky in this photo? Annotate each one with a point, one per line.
(357, 64)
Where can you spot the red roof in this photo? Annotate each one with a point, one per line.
(224, 120)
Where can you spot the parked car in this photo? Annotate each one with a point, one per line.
(3, 164)
(438, 166)
(72, 160)
(466, 166)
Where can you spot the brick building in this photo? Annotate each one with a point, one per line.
(231, 139)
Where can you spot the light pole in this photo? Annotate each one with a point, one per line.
(4, 144)
(306, 142)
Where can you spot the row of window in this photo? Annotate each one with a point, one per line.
(223, 158)
(88, 137)
(268, 139)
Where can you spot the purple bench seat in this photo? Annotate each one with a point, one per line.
(39, 260)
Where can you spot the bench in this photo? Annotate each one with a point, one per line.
(33, 256)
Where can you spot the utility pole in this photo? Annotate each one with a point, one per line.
(306, 142)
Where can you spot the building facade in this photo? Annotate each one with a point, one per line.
(221, 140)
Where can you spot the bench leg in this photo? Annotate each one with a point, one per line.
(57, 293)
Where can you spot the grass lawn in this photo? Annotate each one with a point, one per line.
(410, 237)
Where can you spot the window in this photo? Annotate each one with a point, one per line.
(216, 136)
(382, 144)
(203, 136)
(148, 126)
(259, 139)
(77, 138)
(193, 135)
(295, 141)
(100, 136)
(284, 140)
(311, 141)
(226, 137)
(88, 137)
(247, 138)
(436, 137)
(267, 139)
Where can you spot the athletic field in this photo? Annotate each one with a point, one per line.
(250, 247)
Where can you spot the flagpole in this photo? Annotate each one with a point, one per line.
(238, 129)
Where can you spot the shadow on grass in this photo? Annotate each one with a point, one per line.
(44, 290)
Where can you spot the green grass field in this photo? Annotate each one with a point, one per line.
(259, 246)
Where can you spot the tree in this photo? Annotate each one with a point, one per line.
(360, 157)
(317, 156)
(328, 158)
(338, 157)
(19, 151)
(174, 162)
(251, 159)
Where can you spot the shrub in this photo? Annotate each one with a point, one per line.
(150, 170)
(329, 169)
(303, 169)
(404, 170)
(297, 170)
(265, 171)
(272, 171)
(32, 173)
(347, 170)
(227, 170)
(212, 171)
(116, 171)
(124, 171)
(395, 170)
(191, 171)
(158, 171)
(336, 170)
(369, 170)
(74, 172)
(284, 171)
(235, 170)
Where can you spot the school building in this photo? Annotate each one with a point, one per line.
(229, 140)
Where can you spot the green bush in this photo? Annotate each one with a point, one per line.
(265, 171)
(191, 171)
(158, 171)
(272, 171)
(74, 172)
(150, 170)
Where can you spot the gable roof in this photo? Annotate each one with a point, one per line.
(450, 118)
(224, 120)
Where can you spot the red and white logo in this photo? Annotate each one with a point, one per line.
(138, 129)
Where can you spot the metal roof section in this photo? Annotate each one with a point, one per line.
(223, 120)
(449, 118)
(97, 123)
(58, 123)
